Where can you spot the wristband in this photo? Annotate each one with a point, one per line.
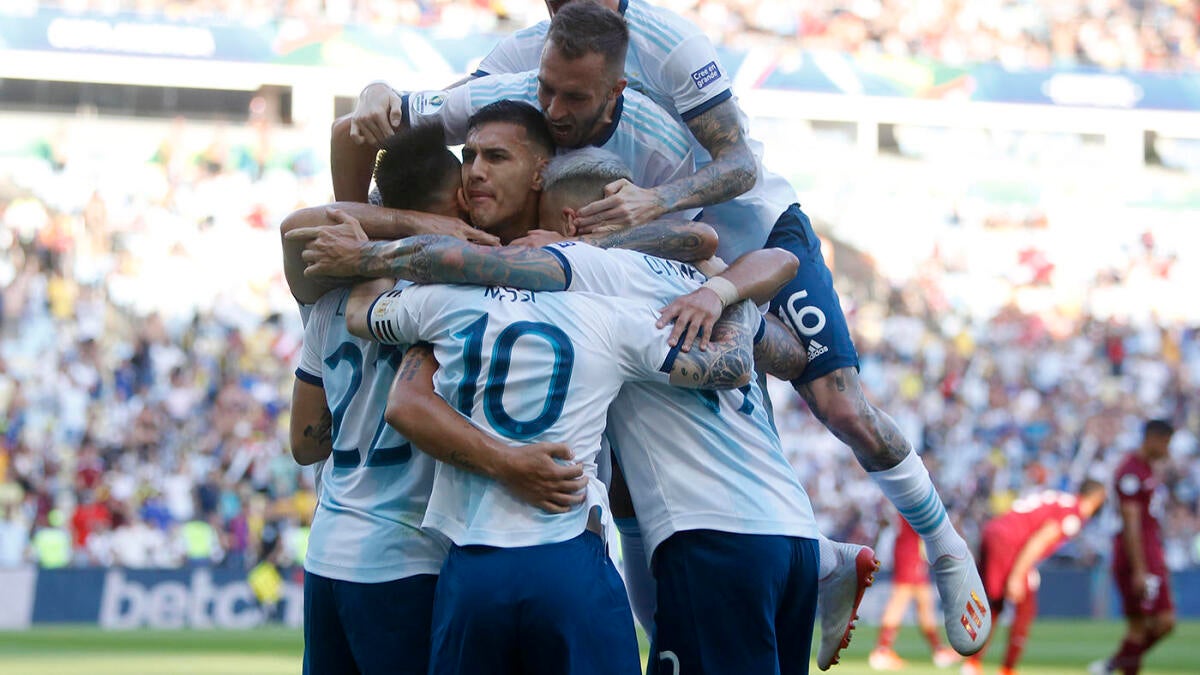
(724, 289)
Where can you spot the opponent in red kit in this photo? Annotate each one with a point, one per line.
(1139, 565)
(910, 581)
(1012, 546)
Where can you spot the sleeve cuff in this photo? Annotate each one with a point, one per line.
(566, 265)
(305, 376)
(707, 105)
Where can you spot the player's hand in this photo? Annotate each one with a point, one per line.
(538, 239)
(694, 316)
(624, 205)
(377, 114)
(534, 474)
(1138, 584)
(1016, 587)
(457, 228)
(332, 250)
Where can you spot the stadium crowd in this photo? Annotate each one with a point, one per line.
(144, 410)
(1121, 34)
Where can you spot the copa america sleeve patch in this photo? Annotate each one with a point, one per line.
(424, 103)
(707, 75)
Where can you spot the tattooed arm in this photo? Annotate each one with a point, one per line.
(682, 240)
(311, 425)
(728, 362)
(732, 172)
(530, 472)
(778, 352)
(368, 221)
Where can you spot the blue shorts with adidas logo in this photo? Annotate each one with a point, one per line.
(808, 304)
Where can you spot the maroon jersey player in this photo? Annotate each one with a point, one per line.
(1012, 546)
(1139, 565)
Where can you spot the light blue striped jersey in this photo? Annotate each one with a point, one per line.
(656, 147)
(674, 63)
(375, 486)
(524, 367)
(693, 460)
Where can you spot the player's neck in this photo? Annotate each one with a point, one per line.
(519, 225)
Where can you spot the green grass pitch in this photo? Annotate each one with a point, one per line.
(1055, 648)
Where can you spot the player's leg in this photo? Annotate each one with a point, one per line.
(809, 305)
(1026, 612)
(1128, 658)
(388, 624)
(943, 656)
(795, 618)
(883, 656)
(718, 597)
(326, 649)
(574, 617)
(474, 629)
(639, 582)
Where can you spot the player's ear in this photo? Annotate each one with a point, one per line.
(618, 88)
(461, 198)
(536, 186)
(568, 219)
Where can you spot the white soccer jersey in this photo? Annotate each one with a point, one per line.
(525, 367)
(692, 459)
(674, 63)
(656, 147)
(375, 486)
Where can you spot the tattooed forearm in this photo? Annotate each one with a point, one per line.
(322, 431)
(460, 459)
(672, 239)
(779, 353)
(732, 171)
(729, 361)
(442, 259)
(415, 359)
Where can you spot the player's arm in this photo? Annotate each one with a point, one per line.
(346, 252)
(1131, 539)
(530, 472)
(756, 276)
(777, 352)
(343, 225)
(351, 163)
(682, 240)
(358, 306)
(378, 113)
(732, 172)
(311, 425)
(728, 363)
(1035, 548)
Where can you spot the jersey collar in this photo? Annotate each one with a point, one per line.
(622, 6)
(612, 127)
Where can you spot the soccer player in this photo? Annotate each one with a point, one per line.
(579, 87)
(910, 581)
(675, 64)
(1139, 566)
(1012, 546)
(370, 571)
(707, 522)
(537, 366)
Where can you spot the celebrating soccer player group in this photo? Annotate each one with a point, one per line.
(512, 360)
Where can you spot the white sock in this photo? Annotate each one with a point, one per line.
(640, 585)
(908, 486)
(828, 558)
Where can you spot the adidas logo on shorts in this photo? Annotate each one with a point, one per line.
(816, 349)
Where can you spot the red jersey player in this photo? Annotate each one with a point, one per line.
(1139, 565)
(1014, 543)
(910, 580)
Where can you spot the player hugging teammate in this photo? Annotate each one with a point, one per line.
(598, 373)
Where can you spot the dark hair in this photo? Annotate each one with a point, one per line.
(413, 166)
(517, 113)
(1157, 428)
(1091, 485)
(582, 28)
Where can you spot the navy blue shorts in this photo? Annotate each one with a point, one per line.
(533, 610)
(734, 603)
(808, 304)
(367, 628)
